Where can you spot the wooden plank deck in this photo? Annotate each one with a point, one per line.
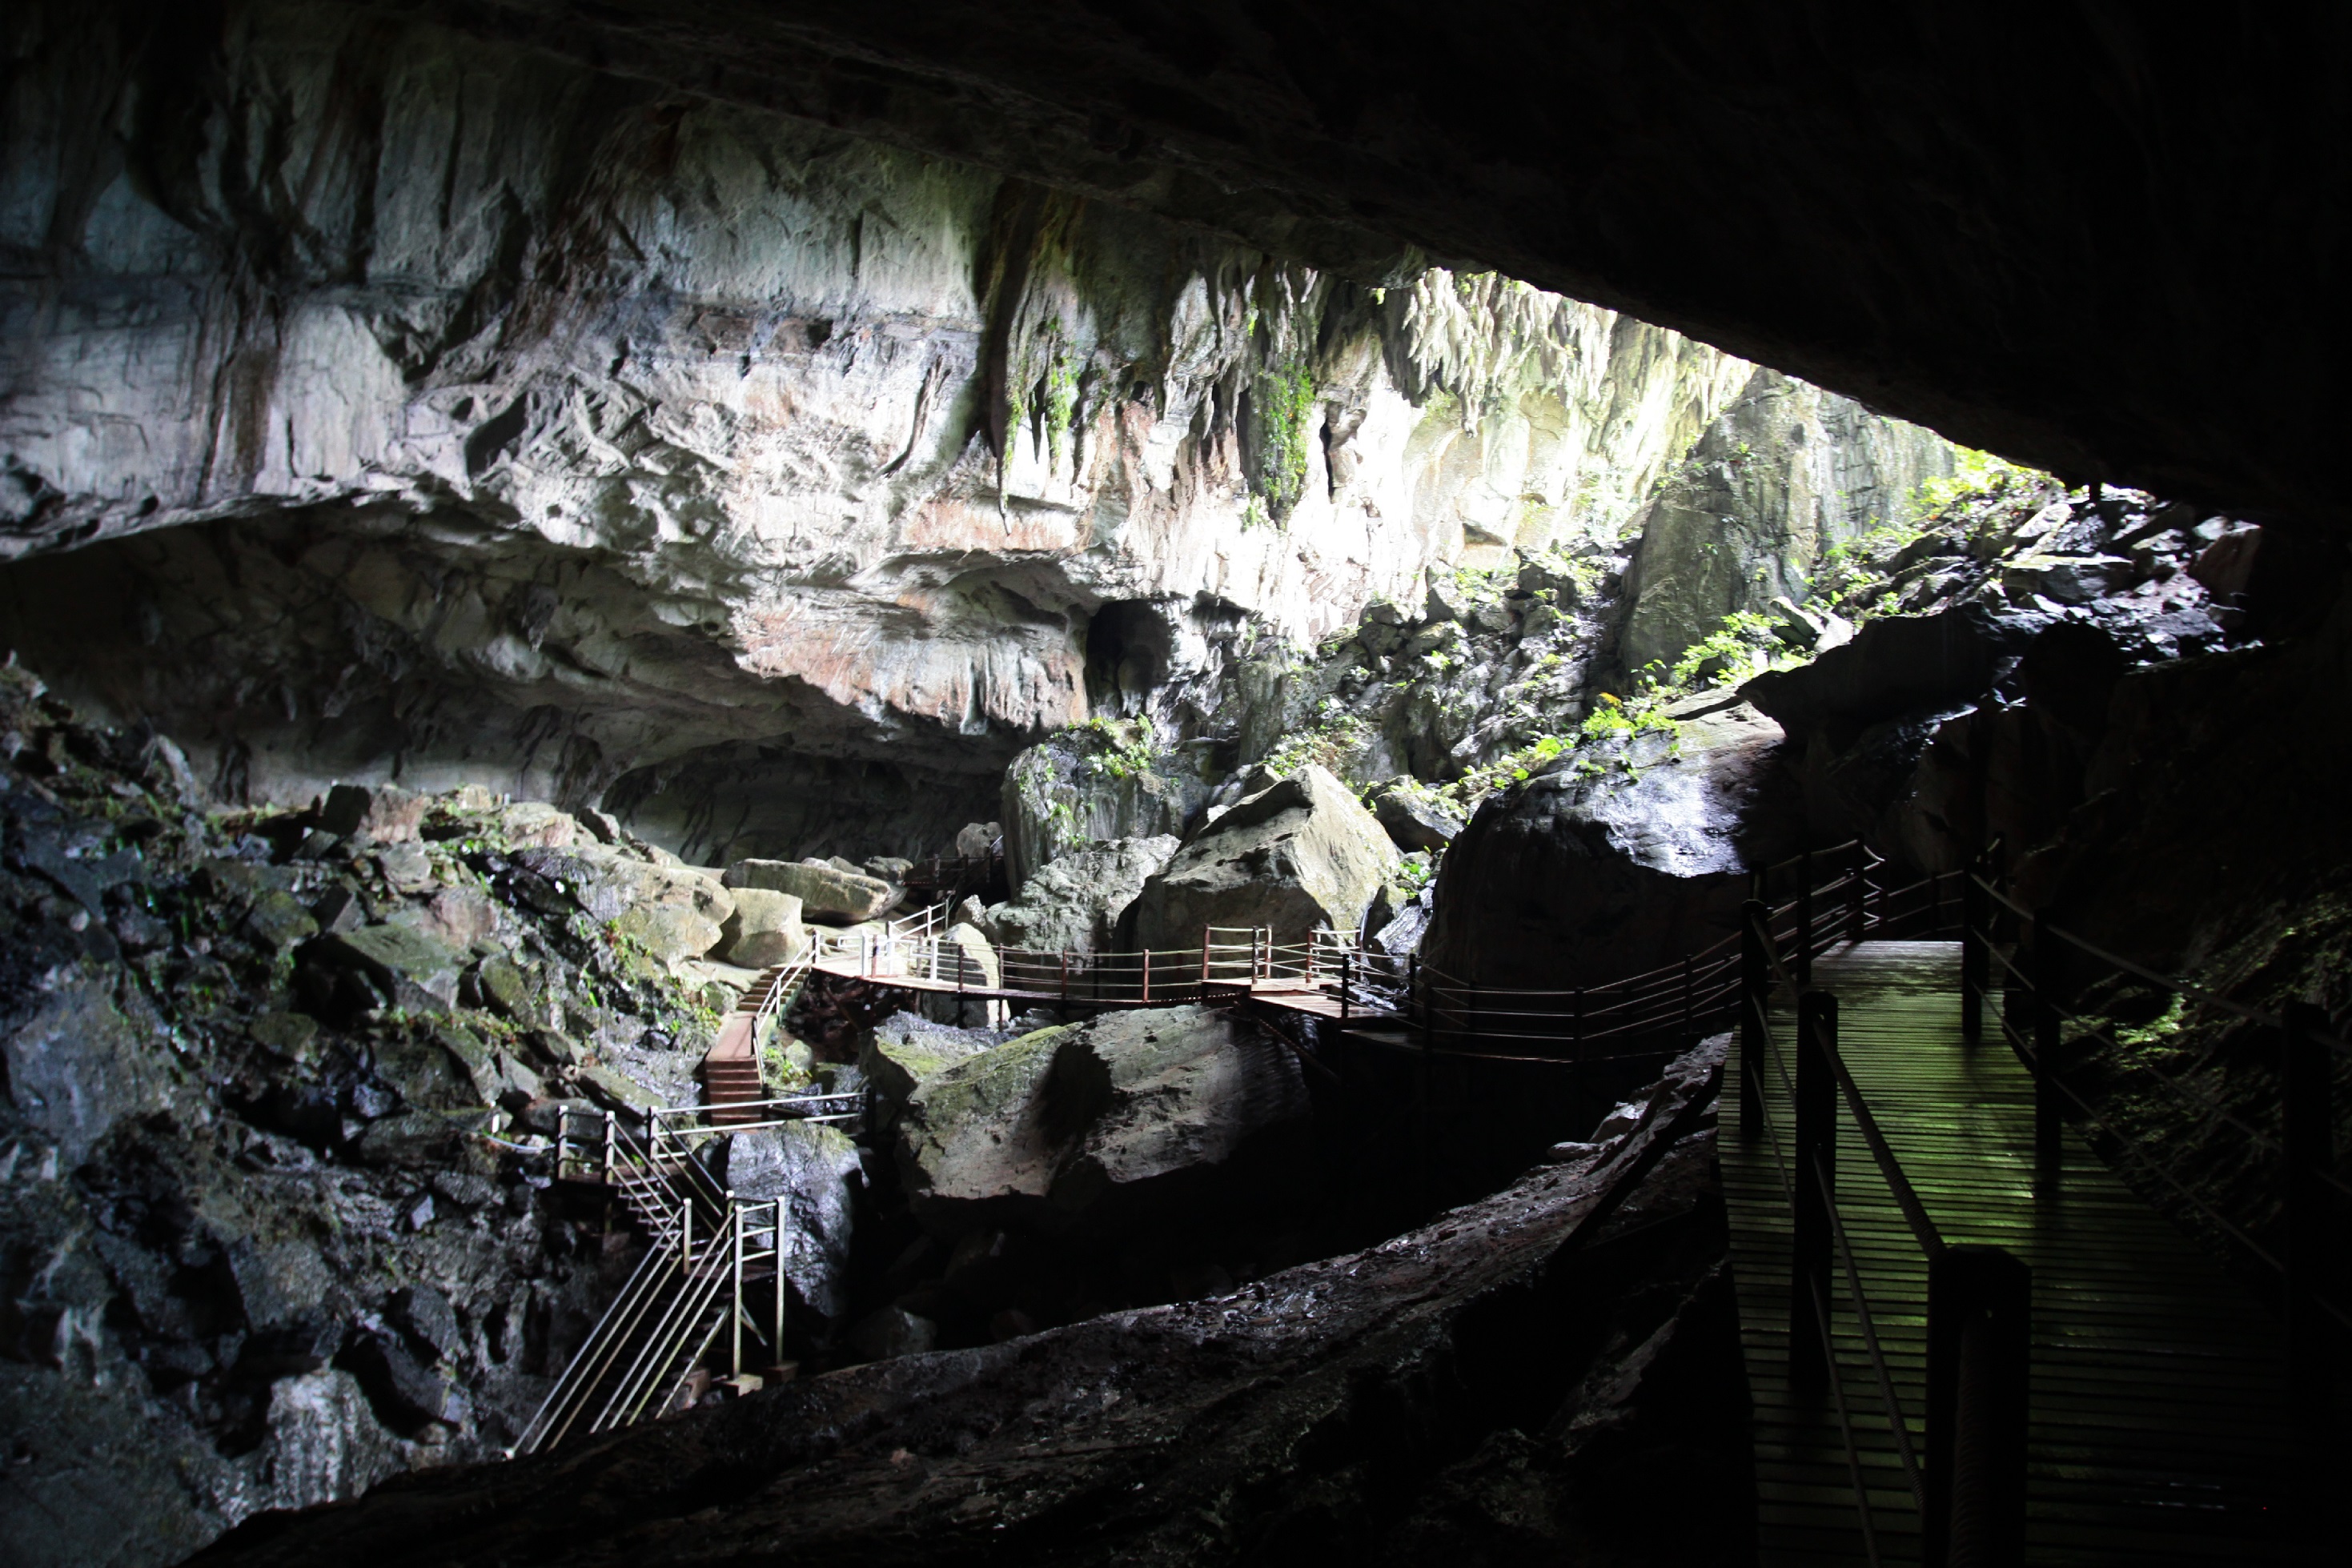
(2159, 1430)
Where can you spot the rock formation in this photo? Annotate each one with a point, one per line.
(1284, 1400)
(768, 486)
(275, 1219)
(1783, 476)
(1128, 1116)
(1608, 864)
(1073, 903)
(1299, 856)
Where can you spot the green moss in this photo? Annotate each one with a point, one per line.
(1283, 411)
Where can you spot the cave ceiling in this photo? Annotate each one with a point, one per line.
(2107, 240)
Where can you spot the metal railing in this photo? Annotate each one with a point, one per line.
(2047, 963)
(705, 1246)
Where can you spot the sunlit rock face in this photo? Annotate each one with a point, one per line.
(1786, 473)
(429, 403)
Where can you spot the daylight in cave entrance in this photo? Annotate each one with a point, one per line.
(1103, 783)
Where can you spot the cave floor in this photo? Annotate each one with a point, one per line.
(2160, 1420)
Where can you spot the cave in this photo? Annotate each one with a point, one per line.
(1107, 782)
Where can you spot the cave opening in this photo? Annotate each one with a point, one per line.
(589, 855)
(1128, 647)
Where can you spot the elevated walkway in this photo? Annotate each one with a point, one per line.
(2158, 1420)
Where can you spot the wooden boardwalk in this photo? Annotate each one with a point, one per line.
(2160, 1433)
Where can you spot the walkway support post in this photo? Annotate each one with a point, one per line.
(1347, 981)
(1815, 1177)
(1976, 963)
(1755, 981)
(1857, 890)
(2046, 1030)
(1979, 1301)
(1804, 965)
(2307, 1130)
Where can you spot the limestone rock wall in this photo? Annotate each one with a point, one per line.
(425, 403)
(1786, 474)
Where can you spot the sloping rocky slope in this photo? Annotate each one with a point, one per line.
(270, 1224)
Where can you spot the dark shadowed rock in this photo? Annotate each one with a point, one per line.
(1096, 1123)
(1896, 665)
(1594, 872)
(1495, 1347)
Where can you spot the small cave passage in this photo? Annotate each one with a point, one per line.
(1128, 650)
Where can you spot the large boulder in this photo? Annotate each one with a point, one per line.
(826, 893)
(907, 1050)
(765, 929)
(814, 1169)
(1300, 855)
(1073, 903)
(1099, 1125)
(606, 881)
(1896, 665)
(1606, 866)
(672, 933)
(383, 812)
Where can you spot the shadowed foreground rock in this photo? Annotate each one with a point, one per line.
(1497, 1382)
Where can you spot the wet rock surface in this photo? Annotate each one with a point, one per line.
(1489, 1381)
(1604, 867)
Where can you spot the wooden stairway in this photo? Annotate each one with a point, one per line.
(732, 1086)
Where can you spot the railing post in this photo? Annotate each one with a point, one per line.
(2307, 1130)
(1976, 964)
(686, 1236)
(2046, 1029)
(1347, 981)
(1980, 1306)
(1146, 997)
(735, 1323)
(1857, 890)
(1816, 1169)
(1204, 963)
(1755, 980)
(776, 1251)
(608, 1148)
(1804, 968)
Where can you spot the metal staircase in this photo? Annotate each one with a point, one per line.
(712, 1268)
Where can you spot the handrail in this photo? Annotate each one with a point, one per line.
(2306, 1284)
(1817, 1041)
(2186, 988)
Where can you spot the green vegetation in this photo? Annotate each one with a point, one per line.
(1979, 477)
(1283, 410)
(1332, 742)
